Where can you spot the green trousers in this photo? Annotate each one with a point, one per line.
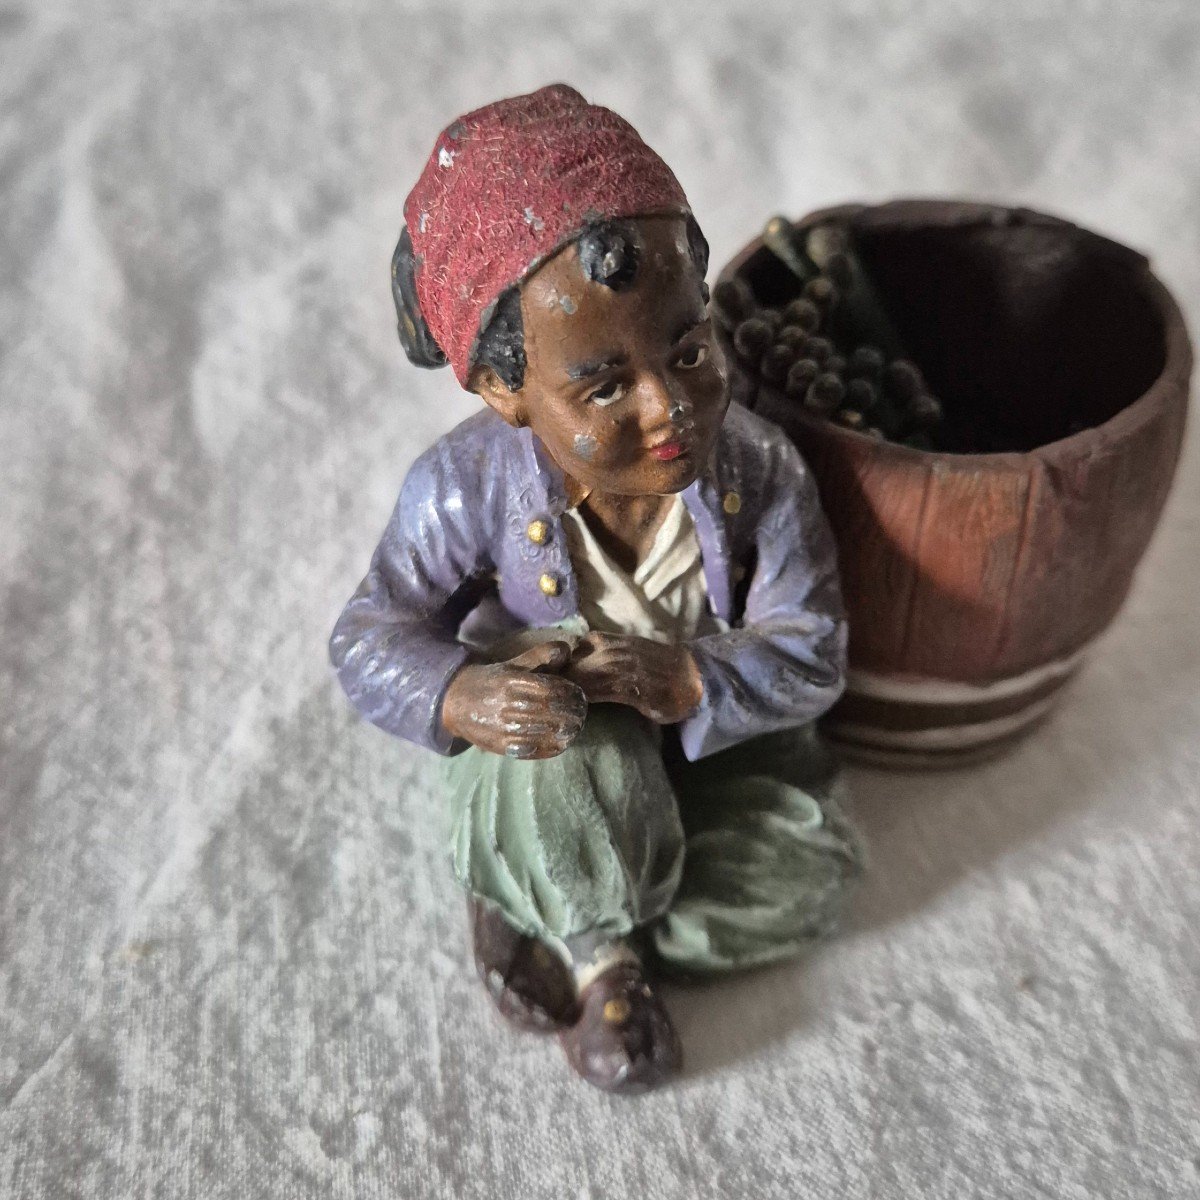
(739, 859)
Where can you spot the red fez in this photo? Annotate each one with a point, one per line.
(509, 184)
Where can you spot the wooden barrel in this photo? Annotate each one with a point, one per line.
(976, 582)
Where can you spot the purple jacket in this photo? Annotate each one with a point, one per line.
(476, 538)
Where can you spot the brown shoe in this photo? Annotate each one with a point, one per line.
(624, 1041)
(530, 985)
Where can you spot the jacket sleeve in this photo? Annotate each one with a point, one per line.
(394, 646)
(786, 663)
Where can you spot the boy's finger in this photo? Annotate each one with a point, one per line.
(546, 656)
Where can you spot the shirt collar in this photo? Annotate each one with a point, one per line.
(704, 499)
(544, 471)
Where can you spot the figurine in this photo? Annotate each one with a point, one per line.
(609, 599)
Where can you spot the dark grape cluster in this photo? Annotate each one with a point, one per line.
(827, 365)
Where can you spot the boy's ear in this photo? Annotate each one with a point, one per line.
(486, 383)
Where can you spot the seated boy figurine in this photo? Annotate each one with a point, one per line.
(609, 599)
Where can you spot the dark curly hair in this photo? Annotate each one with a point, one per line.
(609, 253)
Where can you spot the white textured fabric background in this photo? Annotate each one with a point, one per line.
(232, 960)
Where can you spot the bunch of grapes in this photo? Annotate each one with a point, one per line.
(827, 366)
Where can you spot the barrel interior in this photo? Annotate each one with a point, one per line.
(1027, 332)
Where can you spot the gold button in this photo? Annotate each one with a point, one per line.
(549, 585)
(732, 503)
(537, 532)
(616, 1010)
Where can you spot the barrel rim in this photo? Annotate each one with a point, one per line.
(1169, 389)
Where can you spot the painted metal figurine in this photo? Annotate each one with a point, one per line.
(609, 599)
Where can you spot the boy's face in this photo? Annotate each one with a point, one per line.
(626, 389)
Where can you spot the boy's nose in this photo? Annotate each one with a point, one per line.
(664, 398)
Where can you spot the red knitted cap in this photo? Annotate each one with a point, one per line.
(509, 184)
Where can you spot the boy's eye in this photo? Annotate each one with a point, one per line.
(608, 394)
(693, 356)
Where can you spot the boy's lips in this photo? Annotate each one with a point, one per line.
(665, 451)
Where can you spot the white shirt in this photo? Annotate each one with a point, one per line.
(664, 599)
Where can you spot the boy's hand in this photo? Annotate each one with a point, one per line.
(661, 681)
(521, 708)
